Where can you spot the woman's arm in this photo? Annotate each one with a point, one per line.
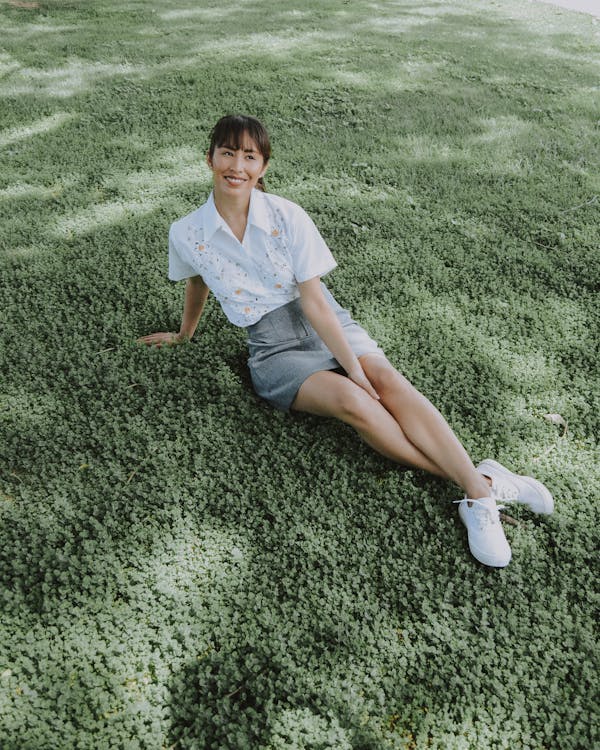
(325, 322)
(196, 294)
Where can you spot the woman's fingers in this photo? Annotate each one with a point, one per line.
(158, 339)
(363, 381)
(372, 391)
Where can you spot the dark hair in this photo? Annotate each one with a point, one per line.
(230, 131)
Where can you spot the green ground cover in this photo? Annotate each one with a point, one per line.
(181, 565)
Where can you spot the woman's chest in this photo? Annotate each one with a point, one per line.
(223, 262)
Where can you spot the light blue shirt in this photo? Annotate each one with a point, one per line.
(281, 247)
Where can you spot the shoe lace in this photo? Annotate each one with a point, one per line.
(484, 514)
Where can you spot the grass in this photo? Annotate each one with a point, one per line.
(184, 567)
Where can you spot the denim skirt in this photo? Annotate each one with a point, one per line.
(285, 349)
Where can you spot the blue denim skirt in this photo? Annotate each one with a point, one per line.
(285, 349)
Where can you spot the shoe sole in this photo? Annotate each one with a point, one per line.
(547, 499)
(489, 561)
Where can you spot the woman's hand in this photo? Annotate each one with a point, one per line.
(358, 376)
(162, 338)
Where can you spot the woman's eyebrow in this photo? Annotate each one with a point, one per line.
(233, 148)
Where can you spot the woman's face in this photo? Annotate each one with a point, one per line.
(236, 171)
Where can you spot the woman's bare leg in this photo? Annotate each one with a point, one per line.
(403, 425)
(328, 394)
(423, 425)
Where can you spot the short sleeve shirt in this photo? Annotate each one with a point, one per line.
(281, 247)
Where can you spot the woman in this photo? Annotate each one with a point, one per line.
(263, 258)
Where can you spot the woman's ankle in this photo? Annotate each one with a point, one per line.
(478, 486)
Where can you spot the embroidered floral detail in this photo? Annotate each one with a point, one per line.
(275, 232)
(277, 286)
(238, 291)
(246, 309)
(201, 248)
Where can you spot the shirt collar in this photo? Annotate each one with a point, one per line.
(213, 219)
(257, 215)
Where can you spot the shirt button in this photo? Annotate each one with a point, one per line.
(275, 232)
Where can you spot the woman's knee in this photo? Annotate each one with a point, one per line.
(329, 394)
(388, 381)
(355, 405)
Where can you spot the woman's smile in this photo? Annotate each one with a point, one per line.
(234, 180)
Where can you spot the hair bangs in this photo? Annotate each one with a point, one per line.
(231, 129)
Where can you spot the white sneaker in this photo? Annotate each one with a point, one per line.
(515, 488)
(484, 530)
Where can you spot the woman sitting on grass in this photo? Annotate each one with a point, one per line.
(263, 258)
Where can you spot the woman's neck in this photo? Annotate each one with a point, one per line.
(234, 210)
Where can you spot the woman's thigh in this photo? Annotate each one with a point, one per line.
(329, 394)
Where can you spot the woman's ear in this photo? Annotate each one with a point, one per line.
(264, 169)
(209, 160)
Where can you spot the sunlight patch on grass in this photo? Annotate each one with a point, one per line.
(30, 191)
(154, 183)
(45, 125)
(216, 13)
(584, 99)
(315, 730)
(79, 76)
(8, 64)
(502, 138)
(21, 251)
(140, 628)
(397, 25)
(568, 320)
(528, 367)
(103, 215)
(186, 166)
(145, 190)
(394, 23)
(406, 76)
(294, 13)
(73, 78)
(440, 9)
(186, 157)
(422, 148)
(272, 44)
(341, 186)
(354, 78)
(503, 129)
(546, 46)
(190, 561)
(28, 29)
